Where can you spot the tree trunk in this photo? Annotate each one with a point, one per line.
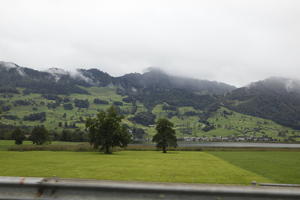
(107, 150)
(164, 149)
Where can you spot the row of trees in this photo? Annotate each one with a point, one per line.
(39, 135)
(105, 131)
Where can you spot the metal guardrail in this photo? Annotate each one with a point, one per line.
(15, 188)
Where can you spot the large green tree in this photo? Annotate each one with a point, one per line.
(106, 131)
(39, 135)
(18, 135)
(165, 136)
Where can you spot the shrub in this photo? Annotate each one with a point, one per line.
(118, 103)
(144, 118)
(99, 101)
(81, 103)
(68, 106)
(36, 116)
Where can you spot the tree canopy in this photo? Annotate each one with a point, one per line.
(106, 131)
(19, 136)
(39, 135)
(165, 136)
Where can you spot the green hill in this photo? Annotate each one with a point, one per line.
(200, 109)
(70, 112)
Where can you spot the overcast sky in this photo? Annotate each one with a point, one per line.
(236, 42)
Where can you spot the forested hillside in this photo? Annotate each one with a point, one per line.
(200, 109)
(277, 99)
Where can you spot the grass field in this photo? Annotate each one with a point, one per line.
(187, 167)
(281, 167)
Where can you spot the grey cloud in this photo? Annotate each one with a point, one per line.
(231, 41)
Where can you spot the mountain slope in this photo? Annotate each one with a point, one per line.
(151, 88)
(59, 112)
(60, 100)
(277, 99)
(13, 76)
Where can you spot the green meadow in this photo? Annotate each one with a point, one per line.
(280, 167)
(211, 167)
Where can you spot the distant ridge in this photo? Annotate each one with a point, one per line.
(275, 98)
(12, 73)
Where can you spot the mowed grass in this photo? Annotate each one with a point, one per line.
(281, 167)
(224, 167)
(187, 167)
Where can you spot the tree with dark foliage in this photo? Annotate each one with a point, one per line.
(118, 103)
(18, 135)
(39, 135)
(68, 106)
(138, 134)
(80, 103)
(35, 117)
(165, 136)
(106, 131)
(99, 101)
(66, 135)
(144, 118)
